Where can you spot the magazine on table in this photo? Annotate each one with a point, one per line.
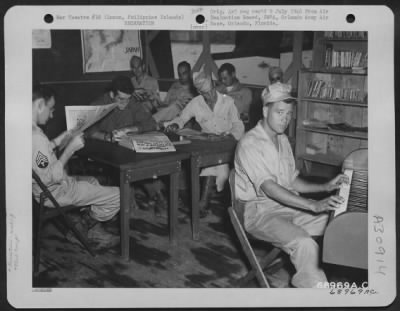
(147, 143)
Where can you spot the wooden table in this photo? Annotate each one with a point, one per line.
(133, 167)
(204, 153)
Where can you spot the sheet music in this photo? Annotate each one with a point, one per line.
(344, 193)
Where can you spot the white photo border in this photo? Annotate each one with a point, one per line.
(381, 134)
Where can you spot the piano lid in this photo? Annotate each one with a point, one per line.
(356, 160)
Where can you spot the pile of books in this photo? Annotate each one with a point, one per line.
(320, 89)
(345, 59)
(350, 35)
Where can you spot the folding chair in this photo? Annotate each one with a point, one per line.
(42, 213)
(269, 262)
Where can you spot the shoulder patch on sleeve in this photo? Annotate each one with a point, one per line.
(41, 160)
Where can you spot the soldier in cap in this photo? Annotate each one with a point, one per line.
(268, 184)
(216, 114)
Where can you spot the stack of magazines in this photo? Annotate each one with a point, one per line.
(147, 143)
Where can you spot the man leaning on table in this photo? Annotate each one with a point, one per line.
(128, 117)
(216, 114)
(268, 185)
(68, 190)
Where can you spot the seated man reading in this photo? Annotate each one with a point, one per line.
(67, 190)
(178, 96)
(267, 183)
(216, 114)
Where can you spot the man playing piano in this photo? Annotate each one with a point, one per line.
(268, 185)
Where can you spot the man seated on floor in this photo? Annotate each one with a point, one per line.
(231, 86)
(146, 87)
(178, 96)
(216, 114)
(67, 190)
(267, 183)
(128, 117)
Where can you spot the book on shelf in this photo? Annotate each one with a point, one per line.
(326, 125)
(348, 35)
(320, 89)
(344, 58)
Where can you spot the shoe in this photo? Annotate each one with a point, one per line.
(209, 182)
(81, 226)
(112, 226)
(101, 237)
(203, 213)
(145, 204)
(161, 207)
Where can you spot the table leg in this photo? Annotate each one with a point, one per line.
(124, 215)
(173, 206)
(195, 189)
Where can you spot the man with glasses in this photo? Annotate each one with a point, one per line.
(128, 116)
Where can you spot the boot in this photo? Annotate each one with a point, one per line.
(209, 182)
(89, 221)
(161, 208)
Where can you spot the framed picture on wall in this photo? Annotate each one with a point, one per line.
(109, 49)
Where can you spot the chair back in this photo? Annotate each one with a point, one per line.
(45, 191)
(237, 206)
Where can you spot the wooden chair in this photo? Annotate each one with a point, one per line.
(269, 262)
(42, 213)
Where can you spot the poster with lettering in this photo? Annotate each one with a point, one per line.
(109, 50)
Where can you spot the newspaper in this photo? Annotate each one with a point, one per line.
(148, 143)
(79, 118)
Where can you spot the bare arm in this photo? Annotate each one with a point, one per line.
(287, 198)
(303, 186)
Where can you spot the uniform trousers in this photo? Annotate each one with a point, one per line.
(290, 230)
(86, 190)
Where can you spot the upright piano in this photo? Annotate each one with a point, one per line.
(346, 236)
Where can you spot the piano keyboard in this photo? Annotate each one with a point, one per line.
(355, 193)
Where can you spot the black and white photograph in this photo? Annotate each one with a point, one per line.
(204, 155)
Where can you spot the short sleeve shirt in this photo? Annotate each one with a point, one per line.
(224, 117)
(45, 164)
(257, 160)
(148, 83)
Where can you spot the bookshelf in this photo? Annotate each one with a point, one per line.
(332, 111)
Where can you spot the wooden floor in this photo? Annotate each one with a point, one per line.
(216, 260)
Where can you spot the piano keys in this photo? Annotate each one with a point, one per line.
(346, 235)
